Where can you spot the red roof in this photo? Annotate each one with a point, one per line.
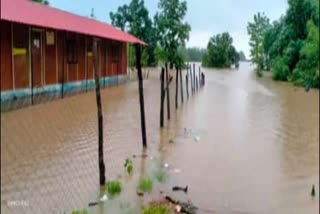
(28, 12)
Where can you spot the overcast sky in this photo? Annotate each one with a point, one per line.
(206, 17)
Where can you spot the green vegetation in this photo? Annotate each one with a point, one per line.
(242, 56)
(114, 187)
(257, 30)
(128, 165)
(134, 18)
(172, 31)
(220, 52)
(145, 184)
(84, 211)
(291, 44)
(157, 208)
(194, 54)
(161, 175)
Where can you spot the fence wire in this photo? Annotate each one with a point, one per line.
(49, 149)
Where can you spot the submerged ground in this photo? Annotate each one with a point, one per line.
(241, 144)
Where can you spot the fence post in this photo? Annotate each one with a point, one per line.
(162, 96)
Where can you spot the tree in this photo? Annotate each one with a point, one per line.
(242, 56)
(46, 2)
(290, 44)
(172, 33)
(127, 18)
(220, 52)
(194, 54)
(135, 19)
(256, 30)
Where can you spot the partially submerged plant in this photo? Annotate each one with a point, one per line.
(114, 187)
(161, 175)
(128, 165)
(84, 211)
(157, 208)
(145, 184)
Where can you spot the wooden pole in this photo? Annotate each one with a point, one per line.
(99, 111)
(168, 92)
(197, 83)
(194, 78)
(187, 84)
(63, 61)
(141, 96)
(181, 86)
(177, 86)
(162, 96)
(32, 66)
(191, 79)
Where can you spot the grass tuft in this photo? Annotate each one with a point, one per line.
(146, 184)
(114, 187)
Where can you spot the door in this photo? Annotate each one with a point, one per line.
(36, 58)
(20, 55)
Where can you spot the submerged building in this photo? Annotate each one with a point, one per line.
(45, 50)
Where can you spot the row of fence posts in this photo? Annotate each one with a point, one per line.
(197, 81)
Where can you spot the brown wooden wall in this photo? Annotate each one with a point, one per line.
(82, 58)
(21, 59)
(49, 59)
(6, 57)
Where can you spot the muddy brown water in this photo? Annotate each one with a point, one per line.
(241, 144)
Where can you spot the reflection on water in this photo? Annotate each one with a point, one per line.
(241, 144)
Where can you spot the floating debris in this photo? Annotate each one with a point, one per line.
(197, 138)
(187, 208)
(104, 198)
(176, 188)
(140, 193)
(176, 170)
(140, 156)
(313, 192)
(166, 165)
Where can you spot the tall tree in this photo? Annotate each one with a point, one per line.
(134, 18)
(242, 56)
(256, 30)
(220, 52)
(126, 17)
(172, 32)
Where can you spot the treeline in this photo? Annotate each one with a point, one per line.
(165, 33)
(220, 52)
(289, 47)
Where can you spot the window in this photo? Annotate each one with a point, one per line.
(71, 49)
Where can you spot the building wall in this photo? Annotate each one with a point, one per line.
(40, 57)
(6, 57)
(20, 56)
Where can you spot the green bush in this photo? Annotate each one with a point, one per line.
(161, 175)
(84, 211)
(146, 184)
(280, 69)
(114, 187)
(156, 208)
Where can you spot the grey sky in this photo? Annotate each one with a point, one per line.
(206, 17)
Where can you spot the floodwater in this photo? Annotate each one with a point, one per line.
(241, 144)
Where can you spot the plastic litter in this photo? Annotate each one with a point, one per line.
(177, 170)
(197, 138)
(166, 165)
(104, 198)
